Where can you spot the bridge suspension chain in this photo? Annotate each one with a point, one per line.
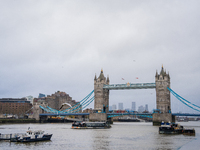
(45, 109)
(79, 106)
(82, 101)
(54, 110)
(86, 104)
(72, 109)
(184, 101)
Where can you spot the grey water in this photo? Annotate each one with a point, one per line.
(122, 136)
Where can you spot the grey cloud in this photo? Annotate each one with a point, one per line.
(48, 46)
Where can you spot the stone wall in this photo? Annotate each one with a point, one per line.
(159, 117)
(98, 117)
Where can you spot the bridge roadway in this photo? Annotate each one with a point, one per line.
(113, 114)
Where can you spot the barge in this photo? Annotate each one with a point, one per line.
(188, 132)
(173, 128)
(170, 128)
(90, 125)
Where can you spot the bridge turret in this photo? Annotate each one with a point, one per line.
(108, 81)
(95, 78)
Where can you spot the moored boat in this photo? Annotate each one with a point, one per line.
(32, 136)
(170, 128)
(90, 125)
(188, 132)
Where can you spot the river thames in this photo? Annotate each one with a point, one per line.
(122, 136)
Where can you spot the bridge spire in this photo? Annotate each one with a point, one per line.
(156, 73)
(107, 79)
(95, 78)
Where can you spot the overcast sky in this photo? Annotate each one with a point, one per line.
(49, 45)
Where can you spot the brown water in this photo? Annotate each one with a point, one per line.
(121, 136)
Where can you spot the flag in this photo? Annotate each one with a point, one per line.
(136, 77)
(122, 78)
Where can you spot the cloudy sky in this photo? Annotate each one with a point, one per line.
(52, 45)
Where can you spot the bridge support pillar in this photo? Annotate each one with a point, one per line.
(98, 117)
(159, 117)
(43, 119)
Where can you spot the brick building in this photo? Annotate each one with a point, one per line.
(14, 106)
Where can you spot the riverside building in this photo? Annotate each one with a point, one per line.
(14, 106)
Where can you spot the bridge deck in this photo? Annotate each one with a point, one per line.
(130, 86)
(85, 114)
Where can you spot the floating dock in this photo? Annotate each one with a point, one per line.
(9, 136)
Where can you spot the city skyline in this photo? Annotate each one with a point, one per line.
(121, 107)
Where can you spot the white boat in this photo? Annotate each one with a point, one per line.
(32, 136)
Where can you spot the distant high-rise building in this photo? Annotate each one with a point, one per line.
(120, 106)
(141, 108)
(114, 107)
(41, 95)
(146, 107)
(133, 108)
(30, 98)
(110, 107)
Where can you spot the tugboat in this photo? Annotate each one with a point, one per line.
(32, 136)
(90, 125)
(170, 128)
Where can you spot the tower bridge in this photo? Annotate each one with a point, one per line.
(162, 82)
(101, 90)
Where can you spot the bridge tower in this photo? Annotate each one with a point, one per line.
(163, 102)
(101, 99)
(162, 93)
(101, 95)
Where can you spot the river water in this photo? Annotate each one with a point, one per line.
(122, 136)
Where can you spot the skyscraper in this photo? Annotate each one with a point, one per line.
(141, 108)
(114, 107)
(146, 107)
(120, 106)
(41, 95)
(133, 108)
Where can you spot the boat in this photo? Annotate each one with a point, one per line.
(90, 125)
(32, 136)
(170, 128)
(188, 132)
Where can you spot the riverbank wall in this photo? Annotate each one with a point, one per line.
(3, 121)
